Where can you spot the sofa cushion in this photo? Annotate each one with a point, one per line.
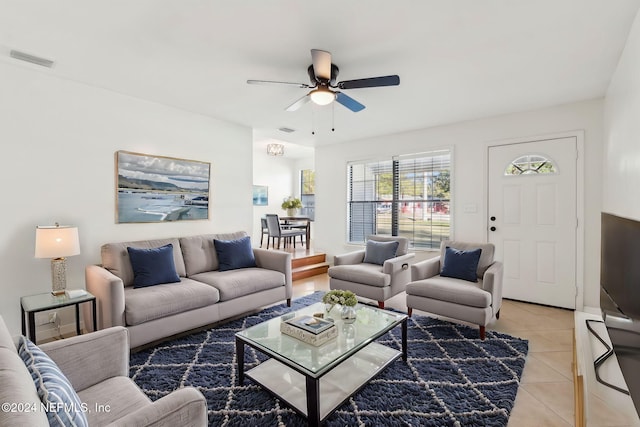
(378, 252)
(368, 274)
(200, 254)
(153, 266)
(461, 264)
(234, 254)
(120, 394)
(236, 283)
(16, 386)
(62, 403)
(154, 302)
(452, 290)
(115, 257)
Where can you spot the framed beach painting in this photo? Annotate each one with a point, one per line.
(260, 195)
(159, 189)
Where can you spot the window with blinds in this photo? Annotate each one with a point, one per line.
(405, 196)
(307, 193)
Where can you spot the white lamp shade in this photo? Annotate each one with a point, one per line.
(322, 96)
(56, 241)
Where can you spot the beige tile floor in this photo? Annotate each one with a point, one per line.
(545, 396)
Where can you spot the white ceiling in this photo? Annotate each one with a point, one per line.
(457, 59)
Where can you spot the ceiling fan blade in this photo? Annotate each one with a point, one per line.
(271, 82)
(370, 82)
(349, 102)
(299, 103)
(321, 63)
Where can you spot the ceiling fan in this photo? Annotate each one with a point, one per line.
(323, 75)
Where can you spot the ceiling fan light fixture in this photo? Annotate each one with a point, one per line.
(322, 96)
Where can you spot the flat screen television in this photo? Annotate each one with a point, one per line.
(620, 294)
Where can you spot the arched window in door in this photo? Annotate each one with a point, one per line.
(531, 164)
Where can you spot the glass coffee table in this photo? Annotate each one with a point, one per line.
(314, 381)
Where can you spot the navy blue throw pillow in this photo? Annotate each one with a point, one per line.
(234, 254)
(461, 264)
(153, 266)
(378, 252)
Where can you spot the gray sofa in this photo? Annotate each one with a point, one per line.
(97, 366)
(204, 295)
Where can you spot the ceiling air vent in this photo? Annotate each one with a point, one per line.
(286, 130)
(31, 58)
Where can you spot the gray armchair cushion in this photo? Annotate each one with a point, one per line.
(120, 393)
(451, 290)
(368, 274)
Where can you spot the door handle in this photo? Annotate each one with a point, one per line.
(492, 229)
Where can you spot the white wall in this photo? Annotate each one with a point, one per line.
(622, 133)
(279, 174)
(59, 140)
(282, 176)
(469, 141)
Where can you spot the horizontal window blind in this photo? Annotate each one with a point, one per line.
(405, 196)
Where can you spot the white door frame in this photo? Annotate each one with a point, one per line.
(579, 135)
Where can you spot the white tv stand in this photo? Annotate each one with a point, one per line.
(595, 403)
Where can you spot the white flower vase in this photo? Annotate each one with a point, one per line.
(291, 212)
(348, 314)
(328, 308)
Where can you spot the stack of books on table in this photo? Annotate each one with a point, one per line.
(309, 329)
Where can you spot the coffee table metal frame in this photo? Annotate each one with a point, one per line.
(364, 353)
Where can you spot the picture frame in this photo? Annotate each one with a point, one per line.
(260, 195)
(152, 188)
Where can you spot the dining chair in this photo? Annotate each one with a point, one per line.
(275, 231)
(263, 230)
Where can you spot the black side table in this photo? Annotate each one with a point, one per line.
(33, 304)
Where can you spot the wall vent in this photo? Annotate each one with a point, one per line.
(31, 58)
(286, 130)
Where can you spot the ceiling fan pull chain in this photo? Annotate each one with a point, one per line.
(313, 121)
(333, 117)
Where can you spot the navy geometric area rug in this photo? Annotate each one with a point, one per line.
(451, 377)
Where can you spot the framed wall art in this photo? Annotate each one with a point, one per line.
(153, 188)
(260, 195)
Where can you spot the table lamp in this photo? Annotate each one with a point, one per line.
(57, 242)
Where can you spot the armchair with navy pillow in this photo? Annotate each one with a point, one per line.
(463, 283)
(378, 272)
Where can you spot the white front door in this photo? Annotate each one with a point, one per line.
(532, 219)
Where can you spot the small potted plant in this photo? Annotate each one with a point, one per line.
(291, 204)
(346, 299)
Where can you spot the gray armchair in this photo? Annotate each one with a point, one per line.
(464, 300)
(97, 366)
(373, 281)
